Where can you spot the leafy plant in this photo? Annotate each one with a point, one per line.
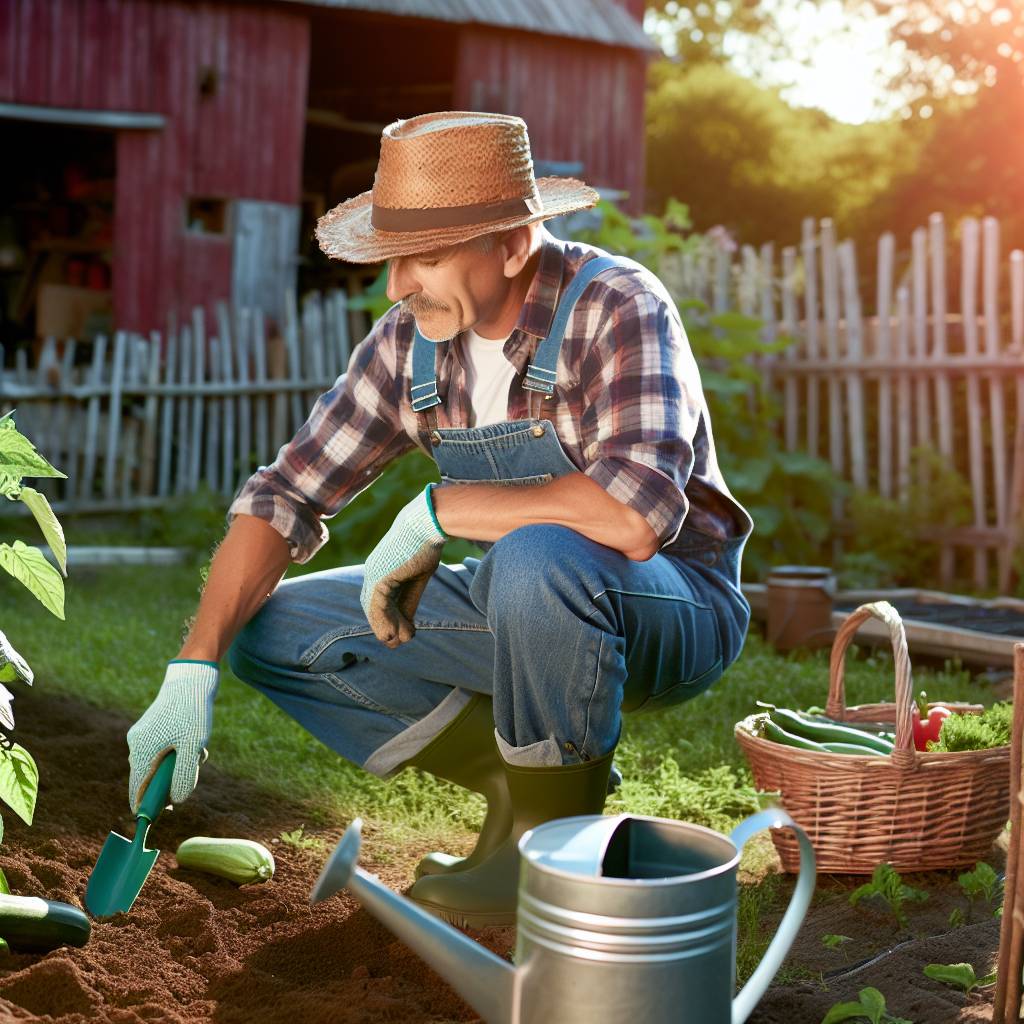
(888, 886)
(830, 941)
(960, 976)
(890, 543)
(870, 1006)
(992, 728)
(19, 776)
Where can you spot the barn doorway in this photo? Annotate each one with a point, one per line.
(57, 190)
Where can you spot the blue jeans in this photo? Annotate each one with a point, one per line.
(565, 634)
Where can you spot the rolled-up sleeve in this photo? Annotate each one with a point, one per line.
(642, 402)
(353, 431)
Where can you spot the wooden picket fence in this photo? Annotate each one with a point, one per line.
(865, 391)
(142, 419)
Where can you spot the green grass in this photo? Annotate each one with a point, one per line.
(123, 623)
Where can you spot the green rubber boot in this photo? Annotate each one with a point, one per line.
(486, 894)
(466, 753)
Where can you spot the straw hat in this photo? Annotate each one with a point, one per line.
(445, 178)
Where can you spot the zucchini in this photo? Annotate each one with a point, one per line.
(826, 732)
(238, 860)
(33, 924)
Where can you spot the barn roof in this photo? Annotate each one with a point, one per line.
(602, 21)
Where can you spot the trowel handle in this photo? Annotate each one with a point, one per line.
(743, 1005)
(155, 799)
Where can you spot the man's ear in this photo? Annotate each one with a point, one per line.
(517, 247)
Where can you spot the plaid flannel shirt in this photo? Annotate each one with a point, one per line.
(628, 409)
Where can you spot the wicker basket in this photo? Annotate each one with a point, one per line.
(917, 811)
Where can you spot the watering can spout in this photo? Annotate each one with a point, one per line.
(483, 979)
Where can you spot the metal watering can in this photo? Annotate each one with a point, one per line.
(625, 918)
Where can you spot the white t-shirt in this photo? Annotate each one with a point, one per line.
(488, 378)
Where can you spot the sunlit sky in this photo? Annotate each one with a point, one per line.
(849, 59)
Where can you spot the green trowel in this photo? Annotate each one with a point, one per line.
(124, 865)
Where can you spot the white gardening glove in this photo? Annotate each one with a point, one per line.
(179, 718)
(399, 568)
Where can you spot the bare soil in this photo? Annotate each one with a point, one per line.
(198, 948)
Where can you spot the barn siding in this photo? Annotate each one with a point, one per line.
(581, 102)
(243, 142)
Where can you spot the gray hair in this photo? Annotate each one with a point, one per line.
(486, 244)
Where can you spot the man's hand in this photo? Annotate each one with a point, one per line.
(399, 568)
(178, 719)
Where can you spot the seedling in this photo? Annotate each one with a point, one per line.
(303, 842)
(981, 884)
(870, 1006)
(890, 888)
(839, 942)
(960, 976)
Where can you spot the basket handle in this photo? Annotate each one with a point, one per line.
(904, 754)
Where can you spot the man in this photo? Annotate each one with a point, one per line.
(555, 389)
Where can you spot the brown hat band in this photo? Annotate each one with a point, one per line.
(385, 219)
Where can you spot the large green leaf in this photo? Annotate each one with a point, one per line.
(29, 566)
(52, 531)
(4, 886)
(18, 457)
(13, 667)
(19, 781)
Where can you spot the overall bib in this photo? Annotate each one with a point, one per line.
(564, 633)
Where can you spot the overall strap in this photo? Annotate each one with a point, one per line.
(542, 373)
(423, 390)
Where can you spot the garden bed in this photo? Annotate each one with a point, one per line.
(197, 948)
(975, 630)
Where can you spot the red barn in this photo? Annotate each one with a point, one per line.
(159, 155)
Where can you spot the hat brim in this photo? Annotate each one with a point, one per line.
(345, 233)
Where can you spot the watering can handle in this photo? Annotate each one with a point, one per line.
(744, 1003)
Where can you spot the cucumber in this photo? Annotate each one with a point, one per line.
(851, 748)
(238, 860)
(773, 731)
(822, 732)
(33, 924)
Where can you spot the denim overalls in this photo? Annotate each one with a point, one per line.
(563, 632)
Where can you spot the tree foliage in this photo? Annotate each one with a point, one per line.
(700, 29)
(966, 62)
(737, 154)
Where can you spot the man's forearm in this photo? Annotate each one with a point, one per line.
(247, 566)
(488, 511)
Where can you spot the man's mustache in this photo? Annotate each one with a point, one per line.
(422, 305)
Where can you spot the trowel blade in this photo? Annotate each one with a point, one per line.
(121, 871)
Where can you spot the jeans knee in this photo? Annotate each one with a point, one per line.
(534, 575)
